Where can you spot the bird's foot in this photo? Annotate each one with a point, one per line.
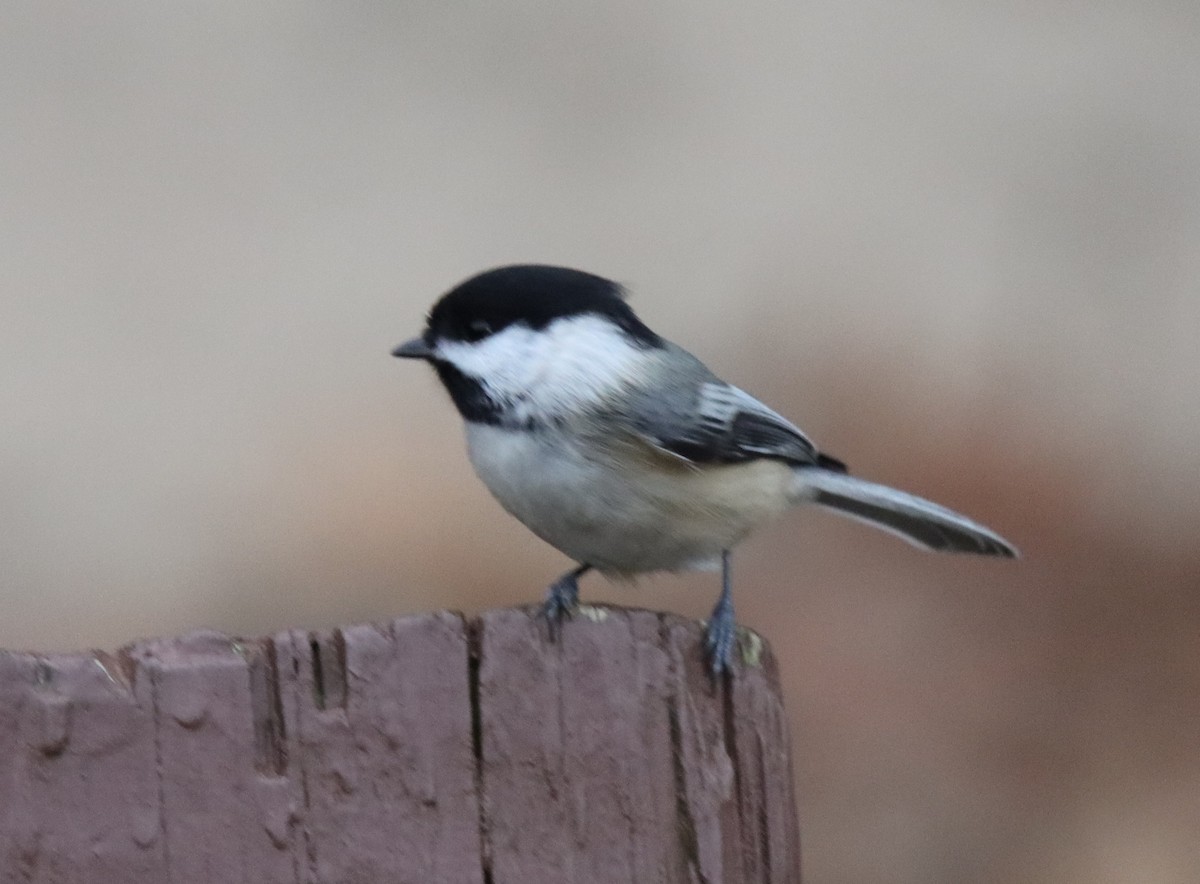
(720, 634)
(562, 598)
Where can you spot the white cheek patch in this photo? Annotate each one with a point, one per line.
(571, 363)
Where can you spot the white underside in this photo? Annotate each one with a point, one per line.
(655, 514)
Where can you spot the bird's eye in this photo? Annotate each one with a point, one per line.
(478, 330)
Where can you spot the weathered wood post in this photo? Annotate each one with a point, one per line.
(429, 749)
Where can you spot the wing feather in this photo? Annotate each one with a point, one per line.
(728, 425)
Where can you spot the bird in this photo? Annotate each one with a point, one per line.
(625, 452)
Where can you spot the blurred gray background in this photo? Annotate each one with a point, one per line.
(959, 244)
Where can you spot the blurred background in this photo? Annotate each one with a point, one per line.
(958, 244)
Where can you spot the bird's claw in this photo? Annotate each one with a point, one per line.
(720, 634)
(561, 601)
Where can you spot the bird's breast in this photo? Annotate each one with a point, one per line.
(621, 506)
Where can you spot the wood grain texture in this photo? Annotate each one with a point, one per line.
(427, 749)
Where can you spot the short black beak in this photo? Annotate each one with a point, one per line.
(414, 349)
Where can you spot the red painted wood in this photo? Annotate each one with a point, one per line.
(427, 749)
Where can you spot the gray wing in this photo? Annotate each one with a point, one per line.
(714, 422)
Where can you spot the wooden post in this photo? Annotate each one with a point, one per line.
(431, 749)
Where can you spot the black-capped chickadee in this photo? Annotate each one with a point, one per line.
(623, 451)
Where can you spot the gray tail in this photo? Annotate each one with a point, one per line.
(911, 518)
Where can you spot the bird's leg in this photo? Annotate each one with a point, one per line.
(721, 630)
(562, 599)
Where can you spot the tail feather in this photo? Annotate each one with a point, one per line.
(918, 521)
